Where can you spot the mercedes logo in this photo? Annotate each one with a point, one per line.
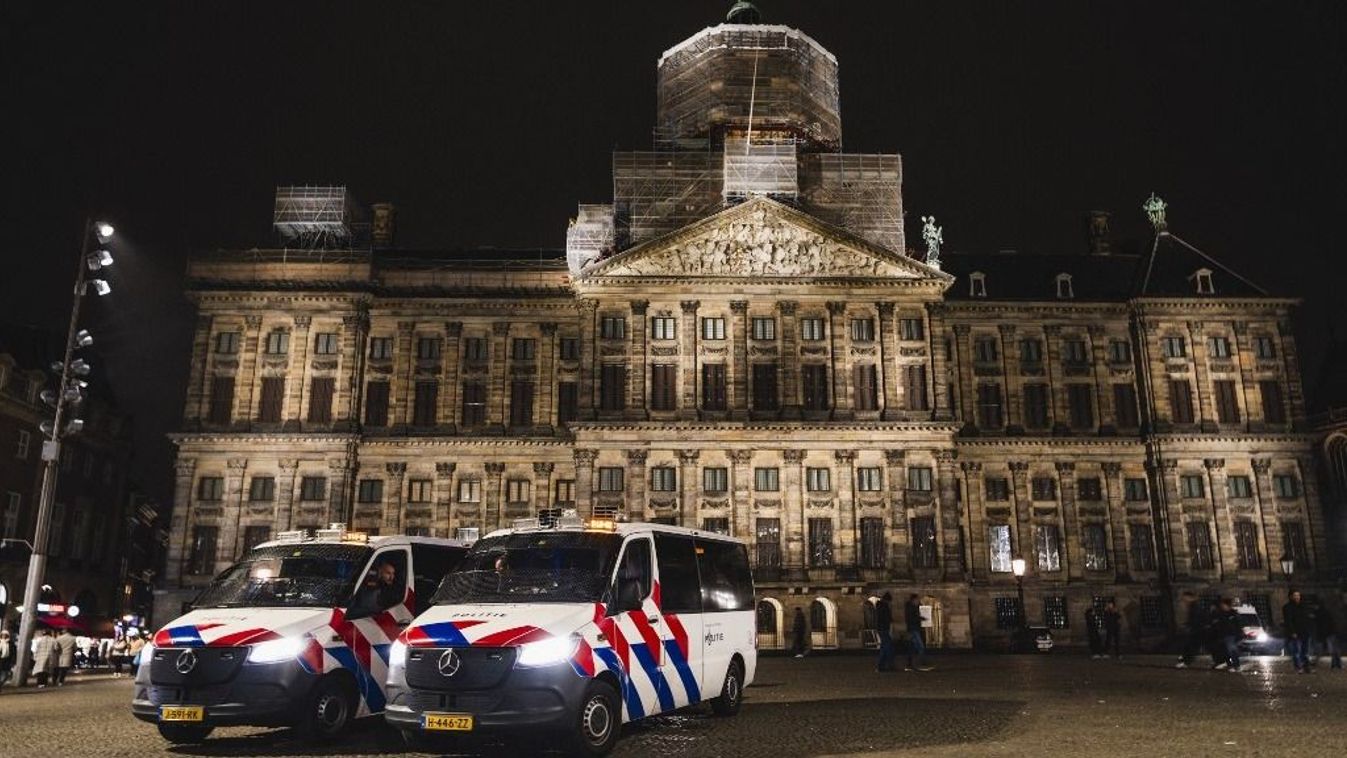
(449, 663)
(186, 661)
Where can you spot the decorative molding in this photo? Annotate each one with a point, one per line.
(1064, 467)
(970, 467)
(690, 306)
(1093, 510)
(836, 307)
(663, 351)
(826, 503)
(813, 350)
(760, 504)
(894, 457)
(1111, 468)
(609, 351)
(793, 456)
(303, 322)
(787, 307)
(445, 469)
(637, 457)
(912, 352)
(865, 351)
(1007, 331)
(584, 456)
(844, 456)
(739, 306)
(688, 456)
(251, 322)
(663, 503)
(1261, 466)
(716, 504)
(396, 469)
(639, 307)
(494, 468)
(1214, 464)
(741, 456)
(1045, 511)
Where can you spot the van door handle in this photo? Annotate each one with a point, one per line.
(404, 624)
(653, 619)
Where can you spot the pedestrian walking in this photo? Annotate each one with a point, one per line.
(6, 656)
(117, 655)
(1112, 629)
(1299, 628)
(1196, 623)
(799, 632)
(105, 651)
(133, 649)
(44, 656)
(1326, 630)
(1092, 623)
(65, 656)
(916, 636)
(884, 627)
(1227, 630)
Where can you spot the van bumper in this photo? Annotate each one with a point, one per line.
(259, 695)
(537, 699)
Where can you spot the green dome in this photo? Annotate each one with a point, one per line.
(744, 12)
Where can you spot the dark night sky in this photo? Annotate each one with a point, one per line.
(487, 122)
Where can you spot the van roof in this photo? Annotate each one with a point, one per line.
(622, 528)
(380, 541)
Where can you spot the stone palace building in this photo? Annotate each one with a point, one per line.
(741, 341)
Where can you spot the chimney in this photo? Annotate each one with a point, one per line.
(381, 233)
(1098, 233)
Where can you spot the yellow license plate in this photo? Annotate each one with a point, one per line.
(182, 713)
(446, 722)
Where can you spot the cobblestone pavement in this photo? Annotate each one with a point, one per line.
(1060, 704)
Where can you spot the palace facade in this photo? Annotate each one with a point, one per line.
(742, 342)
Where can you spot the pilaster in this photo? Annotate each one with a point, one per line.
(739, 353)
(394, 493)
(495, 495)
(637, 402)
(839, 359)
(847, 526)
(687, 343)
(1071, 532)
(444, 497)
(542, 484)
(297, 377)
(890, 373)
(687, 488)
(584, 481)
(790, 359)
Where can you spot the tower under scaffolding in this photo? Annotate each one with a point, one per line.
(319, 217)
(857, 192)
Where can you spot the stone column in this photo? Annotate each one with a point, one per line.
(1117, 520)
(900, 545)
(793, 503)
(637, 502)
(1248, 386)
(1023, 520)
(963, 356)
(1270, 528)
(1206, 412)
(1106, 415)
(589, 387)
(638, 402)
(1066, 487)
(741, 494)
(790, 360)
(847, 524)
(400, 389)
(1154, 377)
(739, 359)
(498, 397)
(1058, 413)
(951, 525)
(542, 484)
(446, 412)
(547, 382)
(890, 372)
(495, 495)
(393, 496)
(180, 532)
(939, 381)
(838, 359)
(1295, 394)
(687, 342)
(1014, 381)
(198, 385)
(1168, 476)
(687, 488)
(233, 506)
(584, 481)
(285, 494)
(296, 377)
(248, 385)
(444, 498)
(353, 331)
(978, 551)
(1224, 550)
(338, 474)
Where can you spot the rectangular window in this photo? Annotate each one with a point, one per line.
(818, 479)
(663, 479)
(998, 489)
(521, 403)
(325, 343)
(1044, 488)
(716, 525)
(564, 492)
(919, 479)
(873, 553)
(1173, 347)
(1219, 347)
(1125, 406)
(1031, 350)
(984, 350)
(915, 387)
(474, 348)
(1009, 615)
(1264, 347)
(1286, 486)
(1152, 612)
(376, 404)
(1119, 351)
(272, 400)
(1048, 547)
(1273, 410)
(613, 387)
(380, 348)
(713, 328)
(474, 403)
(862, 330)
(467, 534)
(278, 342)
(664, 387)
(221, 400)
(418, 490)
(1192, 486)
(866, 379)
(613, 328)
(227, 343)
(1054, 612)
(1199, 545)
(764, 328)
(1095, 542)
(1238, 487)
(869, 479)
(205, 540)
(210, 488)
(820, 542)
(1142, 549)
(568, 402)
(523, 349)
(570, 349)
(470, 491)
(518, 491)
(1089, 488)
(814, 379)
(811, 329)
(611, 479)
(428, 348)
(713, 387)
(370, 491)
(923, 542)
(1293, 544)
(1134, 490)
(767, 532)
(21, 445)
(1036, 406)
(262, 489)
(255, 535)
(766, 479)
(765, 395)
(1073, 351)
(663, 328)
(998, 541)
(1180, 401)
(989, 406)
(427, 397)
(321, 390)
(313, 488)
(715, 479)
(911, 329)
(1081, 399)
(1227, 407)
(1246, 545)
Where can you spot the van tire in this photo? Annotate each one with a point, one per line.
(185, 734)
(731, 696)
(328, 710)
(599, 721)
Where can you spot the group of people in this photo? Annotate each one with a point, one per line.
(916, 634)
(1110, 623)
(1220, 630)
(56, 654)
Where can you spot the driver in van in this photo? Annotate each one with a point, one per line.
(381, 592)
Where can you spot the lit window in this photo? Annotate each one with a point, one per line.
(663, 479)
(227, 343)
(818, 479)
(663, 328)
(869, 479)
(713, 328)
(325, 343)
(764, 328)
(811, 329)
(715, 479)
(278, 342)
(470, 491)
(613, 328)
(381, 348)
(766, 479)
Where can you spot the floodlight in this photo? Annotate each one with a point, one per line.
(104, 231)
(83, 338)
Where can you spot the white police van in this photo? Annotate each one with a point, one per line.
(297, 633)
(577, 628)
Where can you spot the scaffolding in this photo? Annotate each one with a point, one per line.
(657, 192)
(590, 235)
(760, 169)
(315, 217)
(862, 193)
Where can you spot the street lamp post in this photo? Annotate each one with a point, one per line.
(1018, 567)
(69, 393)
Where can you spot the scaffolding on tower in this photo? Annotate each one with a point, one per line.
(314, 217)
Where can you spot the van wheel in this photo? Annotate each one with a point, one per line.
(328, 711)
(731, 694)
(184, 734)
(599, 721)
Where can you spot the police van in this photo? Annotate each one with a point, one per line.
(577, 627)
(297, 633)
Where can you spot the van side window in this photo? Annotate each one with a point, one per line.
(680, 590)
(635, 566)
(384, 585)
(430, 563)
(727, 580)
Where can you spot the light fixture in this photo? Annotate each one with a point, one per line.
(83, 338)
(80, 367)
(48, 397)
(98, 259)
(46, 427)
(75, 426)
(1017, 566)
(101, 286)
(72, 611)
(73, 395)
(104, 231)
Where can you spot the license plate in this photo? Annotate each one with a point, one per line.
(182, 713)
(446, 722)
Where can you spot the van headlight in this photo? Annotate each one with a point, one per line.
(397, 654)
(276, 651)
(548, 652)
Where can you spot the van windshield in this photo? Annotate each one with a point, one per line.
(281, 576)
(533, 567)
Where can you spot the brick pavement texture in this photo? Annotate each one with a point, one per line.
(1061, 705)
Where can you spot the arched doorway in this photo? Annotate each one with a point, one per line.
(770, 620)
(823, 624)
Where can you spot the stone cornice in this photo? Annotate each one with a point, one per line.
(822, 427)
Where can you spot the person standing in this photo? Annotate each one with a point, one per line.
(1197, 629)
(1299, 627)
(1092, 632)
(44, 656)
(65, 656)
(1112, 629)
(1326, 629)
(916, 636)
(1227, 630)
(6, 657)
(884, 627)
(799, 632)
(117, 655)
(133, 649)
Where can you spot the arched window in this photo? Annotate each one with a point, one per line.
(1064, 290)
(977, 284)
(1201, 279)
(769, 624)
(823, 623)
